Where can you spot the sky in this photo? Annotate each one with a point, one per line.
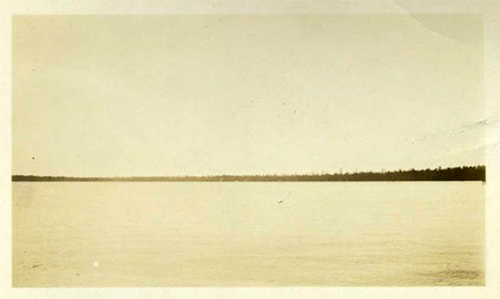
(245, 94)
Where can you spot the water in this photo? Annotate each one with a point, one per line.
(117, 234)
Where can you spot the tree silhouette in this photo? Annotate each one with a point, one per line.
(462, 173)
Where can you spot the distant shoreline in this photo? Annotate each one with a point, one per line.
(464, 173)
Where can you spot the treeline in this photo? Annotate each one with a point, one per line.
(464, 173)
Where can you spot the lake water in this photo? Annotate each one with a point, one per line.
(117, 234)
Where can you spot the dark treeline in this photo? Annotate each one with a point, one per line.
(464, 173)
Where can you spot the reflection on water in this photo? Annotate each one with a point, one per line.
(247, 234)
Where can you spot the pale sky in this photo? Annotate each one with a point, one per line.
(195, 95)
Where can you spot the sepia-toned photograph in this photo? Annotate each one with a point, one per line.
(293, 150)
(249, 150)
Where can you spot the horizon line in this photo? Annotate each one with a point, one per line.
(459, 173)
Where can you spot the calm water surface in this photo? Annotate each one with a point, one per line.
(112, 234)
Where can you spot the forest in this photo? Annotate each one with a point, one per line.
(463, 173)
